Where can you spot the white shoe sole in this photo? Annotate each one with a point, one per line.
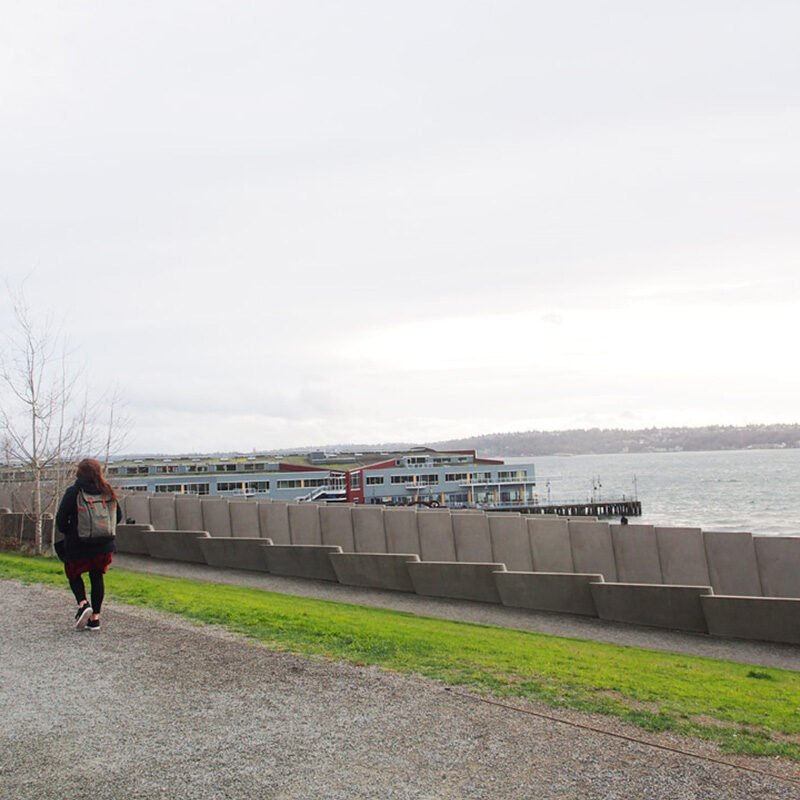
(83, 618)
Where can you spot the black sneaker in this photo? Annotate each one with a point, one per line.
(93, 625)
(82, 615)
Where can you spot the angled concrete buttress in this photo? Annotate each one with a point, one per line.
(673, 607)
(301, 560)
(176, 545)
(768, 619)
(454, 579)
(235, 552)
(563, 592)
(374, 570)
(130, 539)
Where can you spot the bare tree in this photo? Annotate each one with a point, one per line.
(118, 427)
(41, 424)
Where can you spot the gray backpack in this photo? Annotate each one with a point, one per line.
(97, 516)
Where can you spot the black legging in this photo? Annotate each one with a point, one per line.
(98, 589)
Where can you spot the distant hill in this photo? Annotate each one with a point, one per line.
(615, 440)
(575, 442)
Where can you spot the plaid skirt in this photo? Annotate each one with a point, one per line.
(97, 564)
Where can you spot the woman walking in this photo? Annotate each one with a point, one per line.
(87, 518)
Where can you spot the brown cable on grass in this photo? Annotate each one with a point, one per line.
(621, 736)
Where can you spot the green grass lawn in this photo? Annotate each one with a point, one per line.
(745, 709)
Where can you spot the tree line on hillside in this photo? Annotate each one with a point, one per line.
(615, 440)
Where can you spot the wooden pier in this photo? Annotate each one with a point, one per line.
(601, 510)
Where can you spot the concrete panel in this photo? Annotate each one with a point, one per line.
(301, 561)
(402, 534)
(592, 550)
(176, 545)
(673, 607)
(511, 544)
(778, 559)
(11, 526)
(636, 554)
(768, 619)
(374, 570)
(564, 592)
(6, 498)
(304, 523)
(244, 519)
(236, 552)
(274, 517)
(550, 547)
(682, 556)
(732, 563)
(368, 533)
(188, 512)
(137, 508)
(472, 539)
(454, 579)
(216, 516)
(436, 540)
(162, 513)
(130, 539)
(336, 526)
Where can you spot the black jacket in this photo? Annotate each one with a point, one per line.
(70, 548)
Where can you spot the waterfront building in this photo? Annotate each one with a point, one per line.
(450, 479)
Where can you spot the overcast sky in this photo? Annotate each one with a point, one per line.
(279, 224)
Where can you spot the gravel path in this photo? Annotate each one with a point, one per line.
(154, 706)
(784, 656)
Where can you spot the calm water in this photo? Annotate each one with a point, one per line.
(746, 490)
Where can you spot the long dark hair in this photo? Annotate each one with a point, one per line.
(91, 470)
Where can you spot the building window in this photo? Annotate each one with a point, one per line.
(519, 474)
(402, 479)
(374, 480)
(480, 477)
(430, 479)
(139, 487)
(257, 486)
(290, 484)
(310, 482)
(168, 487)
(224, 467)
(456, 476)
(355, 480)
(229, 486)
